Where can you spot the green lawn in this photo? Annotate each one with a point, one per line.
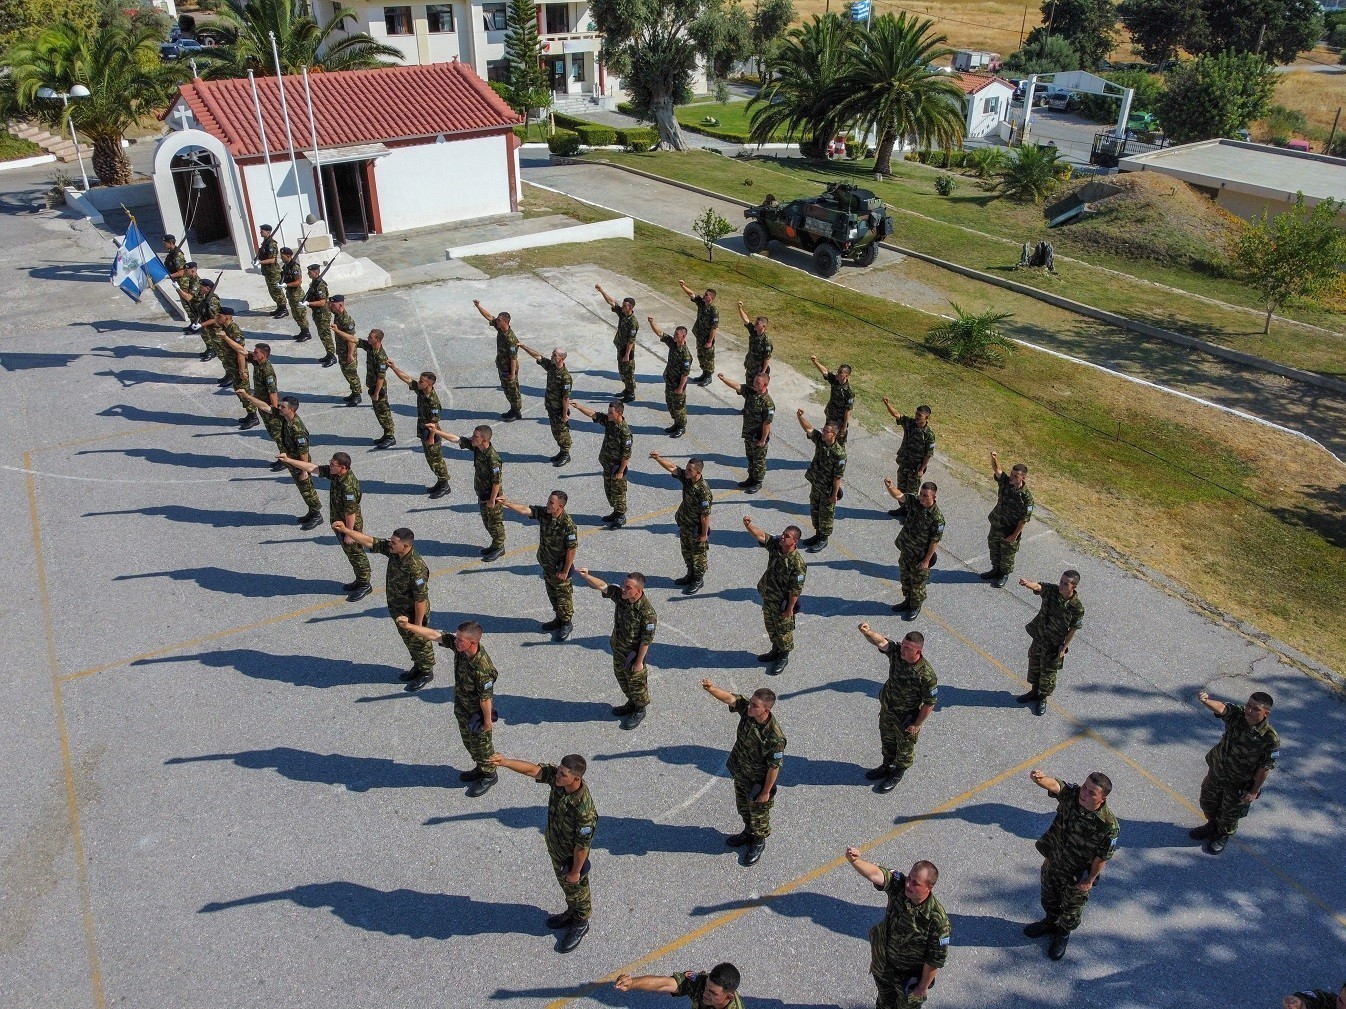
(733, 117)
(1145, 473)
(12, 148)
(940, 231)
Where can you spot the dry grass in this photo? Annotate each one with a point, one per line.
(1317, 95)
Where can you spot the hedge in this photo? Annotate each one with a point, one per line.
(596, 135)
(637, 139)
(566, 143)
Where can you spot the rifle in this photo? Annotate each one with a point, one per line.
(273, 231)
(215, 290)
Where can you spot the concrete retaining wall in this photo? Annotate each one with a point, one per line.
(621, 227)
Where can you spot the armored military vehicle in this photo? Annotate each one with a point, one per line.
(846, 222)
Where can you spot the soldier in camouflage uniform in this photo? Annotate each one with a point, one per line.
(625, 341)
(755, 763)
(716, 988)
(294, 290)
(705, 330)
(208, 321)
(427, 413)
(917, 545)
(474, 678)
(343, 328)
(234, 357)
(758, 358)
(408, 590)
(693, 518)
(343, 505)
(1077, 845)
(264, 390)
(572, 822)
(376, 383)
(632, 634)
(316, 300)
(780, 587)
(758, 412)
(824, 476)
(556, 399)
(1013, 510)
(486, 483)
(175, 263)
(556, 543)
(293, 442)
(907, 698)
(915, 452)
(840, 397)
(189, 293)
(268, 259)
(506, 361)
(676, 373)
(1318, 998)
(911, 944)
(1238, 766)
(614, 456)
(1059, 617)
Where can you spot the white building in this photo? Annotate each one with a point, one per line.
(988, 103)
(474, 33)
(388, 150)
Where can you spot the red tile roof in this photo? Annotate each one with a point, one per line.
(972, 83)
(349, 107)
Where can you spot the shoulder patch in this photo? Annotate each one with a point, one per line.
(586, 831)
(488, 684)
(778, 756)
(420, 581)
(649, 627)
(944, 940)
(1274, 754)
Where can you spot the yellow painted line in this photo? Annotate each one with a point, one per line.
(63, 733)
(730, 916)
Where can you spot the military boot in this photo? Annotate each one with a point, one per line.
(1058, 947)
(1037, 929)
(579, 928)
(561, 920)
(756, 845)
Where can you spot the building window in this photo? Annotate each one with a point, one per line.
(397, 20)
(498, 71)
(558, 19)
(991, 105)
(493, 17)
(577, 68)
(440, 17)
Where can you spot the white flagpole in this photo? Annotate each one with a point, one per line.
(285, 114)
(266, 154)
(313, 135)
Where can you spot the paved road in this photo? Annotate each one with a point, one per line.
(265, 819)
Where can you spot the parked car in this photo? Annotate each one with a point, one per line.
(1062, 101)
(1142, 122)
(1039, 92)
(168, 52)
(189, 47)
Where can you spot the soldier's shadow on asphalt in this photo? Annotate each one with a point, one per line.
(19, 361)
(299, 670)
(617, 835)
(247, 584)
(87, 272)
(217, 518)
(403, 911)
(122, 351)
(130, 377)
(355, 774)
(139, 416)
(185, 460)
(832, 913)
(798, 770)
(854, 685)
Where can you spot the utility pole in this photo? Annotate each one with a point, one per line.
(1051, 14)
(1261, 35)
(1333, 135)
(1023, 25)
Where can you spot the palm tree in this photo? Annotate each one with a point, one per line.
(889, 87)
(972, 338)
(120, 66)
(1035, 174)
(799, 73)
(299, 39)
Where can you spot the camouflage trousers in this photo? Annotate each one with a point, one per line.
(822, 509)
(322, 322)
(752, 367)
(779, 628)
(1061, 897)
(578, 899)
(494, 521)
(422, 652)
(1002, 553)
(479, 745)
(695, 554)
(356, 555)
(211, 338)
(271, 274)
(274, 427)
(756, 815)
(1043, 666)
(238, 378)
(1222, 803)
(615, 489)
(914, 580)
(908, 479)
(899, 746)
(298, 310)
(382, 411)
(560, 429)
(677, 407)
(635, 685)
(627, 370)
(510, 387)
(756, 459)
(306, 490)
(891, 978)
(705, 356)
(350, 370)
(434, 458)
(561, 595)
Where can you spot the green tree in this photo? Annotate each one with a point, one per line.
(1042, 55)
(723, 35)
(1296, 254)
(18, 17)
(971, 338)
(301, 41)
(803, 71)
(1035, 173)
(710, 227)
(648, 43)
(890, 89)
(1148, 88)
(1090, 26)
(770, 19)
(1159, 28)
(1278, 29)
(529, 87)
(1215, 96)
(119, 65)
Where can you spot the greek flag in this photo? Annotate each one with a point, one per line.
(860, 10)
(136, 266)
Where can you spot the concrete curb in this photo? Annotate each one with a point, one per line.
(1078, 308)
(36, 159)
(621, 227)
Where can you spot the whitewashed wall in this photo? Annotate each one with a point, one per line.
(979, 122)
(436, 183)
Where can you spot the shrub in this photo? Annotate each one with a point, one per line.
(569, 122)
(638, 139)
(939, 159)
(811, 149)
(958, 158)
(945, 185)
(1338, 37)
(854, 150)
(987, 161)
(912, 156)
(923, 156)
(626, 108)
(564, 143)
(721, 91)
(595, 135)
(1036, 173)
(971, 339)
(1281, 122)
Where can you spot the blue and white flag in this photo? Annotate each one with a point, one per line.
(136, 267)
(860, 10)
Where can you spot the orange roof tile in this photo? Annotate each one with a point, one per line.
(972, 83)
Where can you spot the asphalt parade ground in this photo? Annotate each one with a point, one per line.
(217, 794)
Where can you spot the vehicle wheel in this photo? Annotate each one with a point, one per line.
(754, 238)
(826, 260)
(868, 254)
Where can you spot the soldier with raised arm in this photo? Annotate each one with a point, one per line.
(343, 506)
(824, 477)
(705, 330)
(906, 700)
(427, 415)
(676, 373)
(755, 762)
(487, 482)
(758, 412)
(343, 328)
(556, 399)
(294, 442)
(840, 397)
(780, 587)
(633, 629)
(1013, 510)
(506, 360)
(693, 519)
(625, 341)
(758, 358)
(614, 456)
(910, 946)
(557, 540)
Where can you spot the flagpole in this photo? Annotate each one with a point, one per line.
(317, 164)
(285, 114)
(266, 155)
